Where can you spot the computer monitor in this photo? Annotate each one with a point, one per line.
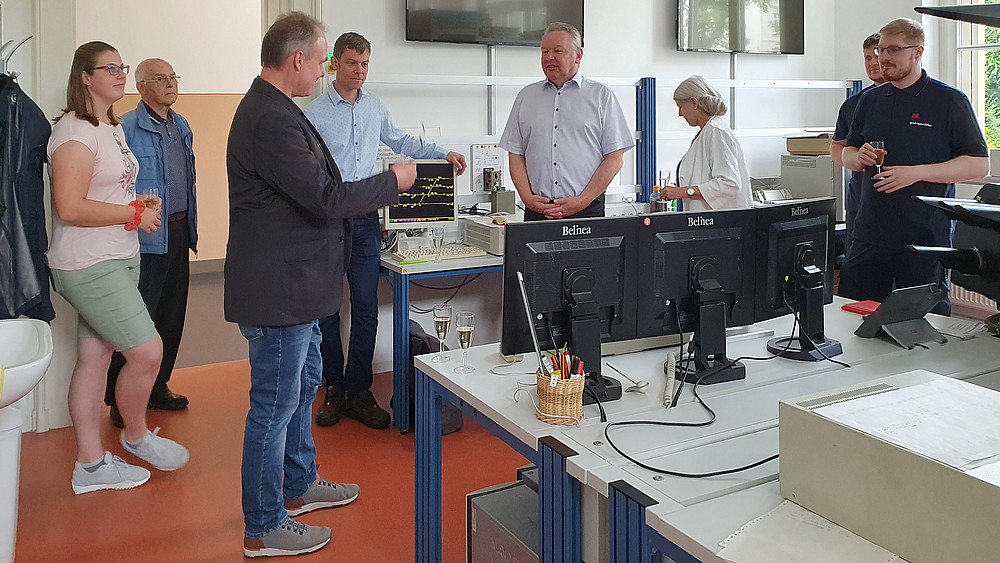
(795, 273)
(429, 203)
(698, 276)
(580, 279)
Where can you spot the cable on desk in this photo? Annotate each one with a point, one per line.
(586, 389)
(474, 210)
(795, 314)
(711, 420)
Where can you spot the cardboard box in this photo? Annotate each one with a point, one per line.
(921, 509)
(809, 146)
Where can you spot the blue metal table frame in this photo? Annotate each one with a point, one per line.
(559, 494)
(401, 333)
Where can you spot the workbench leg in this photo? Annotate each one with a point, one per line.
(559, 505)
(627, 524)
(427, 472)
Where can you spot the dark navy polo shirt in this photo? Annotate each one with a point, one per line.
(927, 123)
(844, 119)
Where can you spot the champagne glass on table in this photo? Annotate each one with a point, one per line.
(437, 237)
(442, 321)
(879, 147)
(464, 323)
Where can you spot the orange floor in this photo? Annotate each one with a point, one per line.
(194, 514)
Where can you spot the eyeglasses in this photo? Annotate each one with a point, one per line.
(161, 80)
(113, 70)
(893, 50)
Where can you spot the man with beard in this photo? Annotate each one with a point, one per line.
(844, 118)
(932, 140)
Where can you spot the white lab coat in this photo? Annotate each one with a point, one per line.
(715, 164)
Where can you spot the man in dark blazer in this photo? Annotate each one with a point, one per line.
(284, 270)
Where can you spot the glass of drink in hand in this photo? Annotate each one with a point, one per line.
(464, 323)
(437, 237)
(442, 322)
(150, 197)
(879, 147)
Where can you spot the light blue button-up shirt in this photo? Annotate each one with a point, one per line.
(564, 133)
(352, 133)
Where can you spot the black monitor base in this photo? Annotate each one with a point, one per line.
(791, 348)
(733, 372)
(612, 391)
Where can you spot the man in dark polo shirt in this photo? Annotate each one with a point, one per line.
(844, 118)
(932, 140)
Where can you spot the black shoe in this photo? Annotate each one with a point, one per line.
(167, 401)
(333, 407)
(116, 418)
(364, 408)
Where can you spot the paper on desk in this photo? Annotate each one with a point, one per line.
(792, 534)
(953, 422)
(963, 329)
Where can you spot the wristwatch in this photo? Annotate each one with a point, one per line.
(690, 191)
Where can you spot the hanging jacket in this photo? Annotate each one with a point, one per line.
(24, 275)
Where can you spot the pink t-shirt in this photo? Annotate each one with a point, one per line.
(113, 181)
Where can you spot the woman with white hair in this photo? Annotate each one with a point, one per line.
(713, 173)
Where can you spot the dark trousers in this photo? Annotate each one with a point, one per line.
(872, 272)
(163, 283)
(362, 279)
(595, 209)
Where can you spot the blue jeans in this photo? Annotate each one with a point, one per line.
(279, 457)
(363, 279)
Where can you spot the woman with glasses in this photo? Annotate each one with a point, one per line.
(94, 259)
(713, 173)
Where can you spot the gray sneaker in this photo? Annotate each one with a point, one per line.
(114, 474)
(293, 538)
(322, 494)
(162, 453)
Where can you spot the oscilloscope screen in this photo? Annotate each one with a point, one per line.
(430, 200)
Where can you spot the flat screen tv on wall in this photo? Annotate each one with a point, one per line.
(744, 26)
(488, 22)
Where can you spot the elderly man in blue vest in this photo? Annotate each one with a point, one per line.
(161, 140)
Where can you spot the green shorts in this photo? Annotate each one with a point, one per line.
(106, 296)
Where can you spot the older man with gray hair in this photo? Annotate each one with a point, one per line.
(565, 136)
(161, 140)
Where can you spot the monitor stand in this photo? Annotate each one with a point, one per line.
(811, 345)
(710, 342)
(585, 337)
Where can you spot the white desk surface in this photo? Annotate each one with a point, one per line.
(390, 263)
(696, 514)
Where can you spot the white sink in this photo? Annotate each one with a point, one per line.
(25, 352)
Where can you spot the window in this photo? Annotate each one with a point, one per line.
(979, 72)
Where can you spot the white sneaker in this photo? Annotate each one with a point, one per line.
(162, 453)
(113, 474)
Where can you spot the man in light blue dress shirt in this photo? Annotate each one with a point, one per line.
(565, 136)
(352, 122)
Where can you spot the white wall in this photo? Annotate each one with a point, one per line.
(214, 46)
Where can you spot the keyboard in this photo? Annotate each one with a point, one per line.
(447, 253)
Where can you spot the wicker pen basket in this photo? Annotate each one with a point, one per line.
(562, 404)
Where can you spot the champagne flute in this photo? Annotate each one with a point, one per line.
(437, 237)
(442, 321)
(879, 147)
(464, 323)
(150, 198)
